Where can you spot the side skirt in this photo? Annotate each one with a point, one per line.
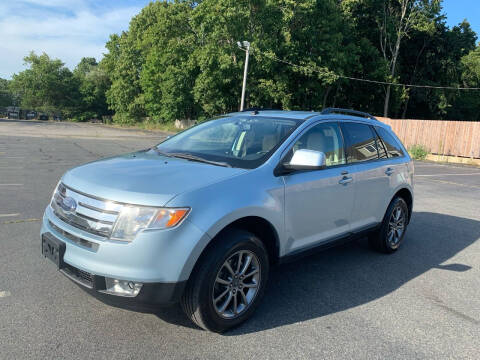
(298, 254)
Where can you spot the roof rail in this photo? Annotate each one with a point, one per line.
(258, 109)
(347, 112)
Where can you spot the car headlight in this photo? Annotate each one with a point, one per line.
(133, 219)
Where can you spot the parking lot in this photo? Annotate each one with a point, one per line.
(347, 302)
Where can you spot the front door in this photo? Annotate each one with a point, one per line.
(318, 203)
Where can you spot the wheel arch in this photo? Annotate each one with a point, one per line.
(259, 226)
(405, 194)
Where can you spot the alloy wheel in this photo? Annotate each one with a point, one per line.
(396, 226)
(236, 284)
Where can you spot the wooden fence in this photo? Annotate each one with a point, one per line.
(442, 137)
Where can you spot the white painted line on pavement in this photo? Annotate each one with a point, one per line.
(430, 175)
(8, 215)
(4, 294)
(454, 183)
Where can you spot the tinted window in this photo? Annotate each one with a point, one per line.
(360, 142)
(324, 137)
(391, 144)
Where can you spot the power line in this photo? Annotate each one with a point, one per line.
(273, 57)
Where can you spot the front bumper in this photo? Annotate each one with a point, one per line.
(153, 256)
(150, 296)
(160, 260)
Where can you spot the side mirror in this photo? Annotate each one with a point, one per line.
(305, 159)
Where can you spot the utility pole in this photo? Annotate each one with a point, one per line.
(244, 45)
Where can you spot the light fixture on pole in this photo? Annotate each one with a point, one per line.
(244, 45)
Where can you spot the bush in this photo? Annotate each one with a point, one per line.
(418, 152)
(124, 119)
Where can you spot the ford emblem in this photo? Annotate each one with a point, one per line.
(69, 204)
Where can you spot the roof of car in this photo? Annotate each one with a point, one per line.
(299, 115)
(305, 115)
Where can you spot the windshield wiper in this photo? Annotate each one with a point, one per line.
(190, 157)
(160, 152)
(198, 158)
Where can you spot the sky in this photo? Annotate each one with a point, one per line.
(64, 29)
(458, 10)
(71, 29)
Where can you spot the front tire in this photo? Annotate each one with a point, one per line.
(228, 283)
(392, 231)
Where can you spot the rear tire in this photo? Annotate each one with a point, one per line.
(228, 283)
(392, 231)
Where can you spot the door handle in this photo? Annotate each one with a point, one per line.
(389, 171)
(345, 180)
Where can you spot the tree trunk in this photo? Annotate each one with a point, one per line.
(401, 30)
(325, 96)
(387, 101)
(335, 97)
(404, 113)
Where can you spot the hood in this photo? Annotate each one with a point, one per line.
(144, 178)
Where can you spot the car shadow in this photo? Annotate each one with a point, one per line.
(351, 275)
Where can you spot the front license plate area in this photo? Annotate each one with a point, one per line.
(53, 249)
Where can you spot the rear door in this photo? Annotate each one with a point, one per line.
(395, 169)
(371, 184)
(318, 203)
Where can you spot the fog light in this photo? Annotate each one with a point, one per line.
(122, 287)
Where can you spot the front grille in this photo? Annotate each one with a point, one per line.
(77, 240)
(80, 276)
(85, 212)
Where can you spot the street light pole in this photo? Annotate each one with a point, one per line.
(246, 45)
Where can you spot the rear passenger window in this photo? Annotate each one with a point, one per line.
(391, 144)
(360, 142)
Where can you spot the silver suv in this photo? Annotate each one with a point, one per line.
(201, 217)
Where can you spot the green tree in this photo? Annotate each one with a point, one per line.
(391, 22)
(400, 17)
(168, 75)
(180, 60)
(123, 64)
(470, 102)
(435, 59)
(6, 96)
(93, 85)
(47, 85)
(471, 71)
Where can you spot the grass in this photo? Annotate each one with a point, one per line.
(167, 127)
(418, 152)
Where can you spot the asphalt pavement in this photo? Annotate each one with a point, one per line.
(422, 302)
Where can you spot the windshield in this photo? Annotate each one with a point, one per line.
(245, 142)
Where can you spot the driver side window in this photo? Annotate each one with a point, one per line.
(324, 137)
